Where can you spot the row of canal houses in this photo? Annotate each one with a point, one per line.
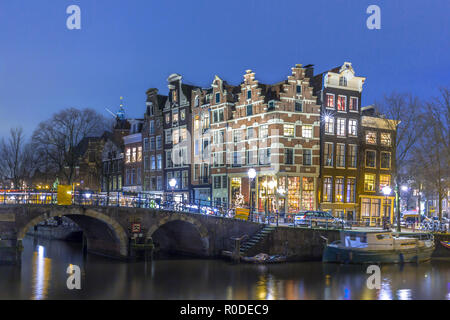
(311, 143)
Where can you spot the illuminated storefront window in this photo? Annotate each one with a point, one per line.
(293, 194)
(308, 193)
(236, 191)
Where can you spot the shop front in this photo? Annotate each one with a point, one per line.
(375, 208)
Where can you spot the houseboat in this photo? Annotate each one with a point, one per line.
(376, 246)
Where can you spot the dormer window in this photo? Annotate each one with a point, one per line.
(343, 81)
(249, 94)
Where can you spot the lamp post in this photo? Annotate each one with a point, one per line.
(172, 184)
(280, 192)
(272, 186)
(386, 191)
(251, 175)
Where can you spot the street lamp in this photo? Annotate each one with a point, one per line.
(281, 192)
(386, 191)
(172, 184)
(251, 175)
(404, 188)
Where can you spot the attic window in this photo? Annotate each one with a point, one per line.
(299, 89)
(218, 97)
(343, 81)
(249, 110)
(249, 94)
(271, 105)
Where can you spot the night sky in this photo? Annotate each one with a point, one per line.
(126, 47)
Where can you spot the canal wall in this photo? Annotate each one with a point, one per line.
(298, 244)
(440, 250)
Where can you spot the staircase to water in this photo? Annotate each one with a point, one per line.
(256, 239)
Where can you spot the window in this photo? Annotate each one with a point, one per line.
(139, 154)
(369, 182)
(133, 155)
(352, 156)
(264, 156)
(167, 118)
(183, 134)
(152, 127)
(182, 114)
(250, 159)
(174, 96)
(342, 103)
(339, 197)
(385, 160)
(352, 127)
(343, 81)
(385, 139)
(353, 106)
(174, 117)
(330, 100)
(152, 163)
(185, 179)
(289, 130)
(176, 136)
(371, 137)
(298, 106)
(196, 123)
(385, 180)
(371, 156)
(327, 189)
(307, 157)
(145, 163)
(236, 136)
(152, 144)
(250, 133)
(196, 102)
(249, 94)
(289, 156)
(340, 155)
(217, 97)
(271, 106)
(159, 183)
(307, 131)
(146, 144)
(299, 89)
(263, 131)
(351, 183)
(159, 161)
(158, 142)
(169, 163)
(249, 110)
(168, 134)
(328, 155)
(217, 182)
(340, 127)
(308, 193)
(329, 125)
(224, 182)
(237, 160)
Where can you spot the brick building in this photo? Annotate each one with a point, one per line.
(133, 157)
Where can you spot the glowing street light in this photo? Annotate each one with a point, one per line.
(404, 188)
(172, 184)
(386, 190)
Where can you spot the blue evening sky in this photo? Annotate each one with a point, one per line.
(128, 46)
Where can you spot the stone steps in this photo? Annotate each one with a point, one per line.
(255, 239)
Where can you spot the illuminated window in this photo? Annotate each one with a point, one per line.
(351, 183)
(339, 190)
(340, 155)
(330, 100)
(328, 154)
(371, 156)
(289, 130)
(371, 137)
(385, 139)
(128, 155)
(341, 103)
(340, 127)
(307, 131)
(175, 117)
(133, 155)
(183, 114)
(263, 131)
(385, 180)
(327, 189)
(352, 156)
(167, 118)
(352, 127)
(196, 123)
(174, 96)
(353, 106)
(369, 182)
(385, 160)
(329, 125)
(139, 154)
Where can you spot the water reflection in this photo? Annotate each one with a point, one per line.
(41, 274)
(44, 265)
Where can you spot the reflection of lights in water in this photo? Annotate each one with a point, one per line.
(385, 291)
(229, 294)
(41, 274)
(404, 294)
(448, 288)
(347, 294)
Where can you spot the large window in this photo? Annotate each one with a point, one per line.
(307, 157)
(330, 100)
(371, 156)
(152, 126)
(152, 163)
(152, 144)
(263, 131)
(385, 160)
(327, 189)
(385, 139)
(385, 180)
(371, 137)
(353, 106)
(329, 125)
(264, 156)
(289, 130)
(307, 131)
(328, 155)
(308, 193)
(340, 127)
(369, 182)
(168, 134)
(352, 156)
(340, 155)
(159, 161)
(352, 127)
(342, 103)
(158, 142)
(351, 183)
(339, 189)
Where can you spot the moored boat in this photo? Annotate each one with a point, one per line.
(377, 246)
(446, 244)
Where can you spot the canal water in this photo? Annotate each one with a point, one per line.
(42, 275)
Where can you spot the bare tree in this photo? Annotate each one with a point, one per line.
(17, 158)
(405, 110)
(57, 138)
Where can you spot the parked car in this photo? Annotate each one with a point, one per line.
(315, 219)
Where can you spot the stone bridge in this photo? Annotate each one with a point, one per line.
(107, 230)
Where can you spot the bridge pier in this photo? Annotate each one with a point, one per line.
(10, 252)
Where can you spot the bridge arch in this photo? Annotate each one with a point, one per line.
(78, 214)
(186, 220)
